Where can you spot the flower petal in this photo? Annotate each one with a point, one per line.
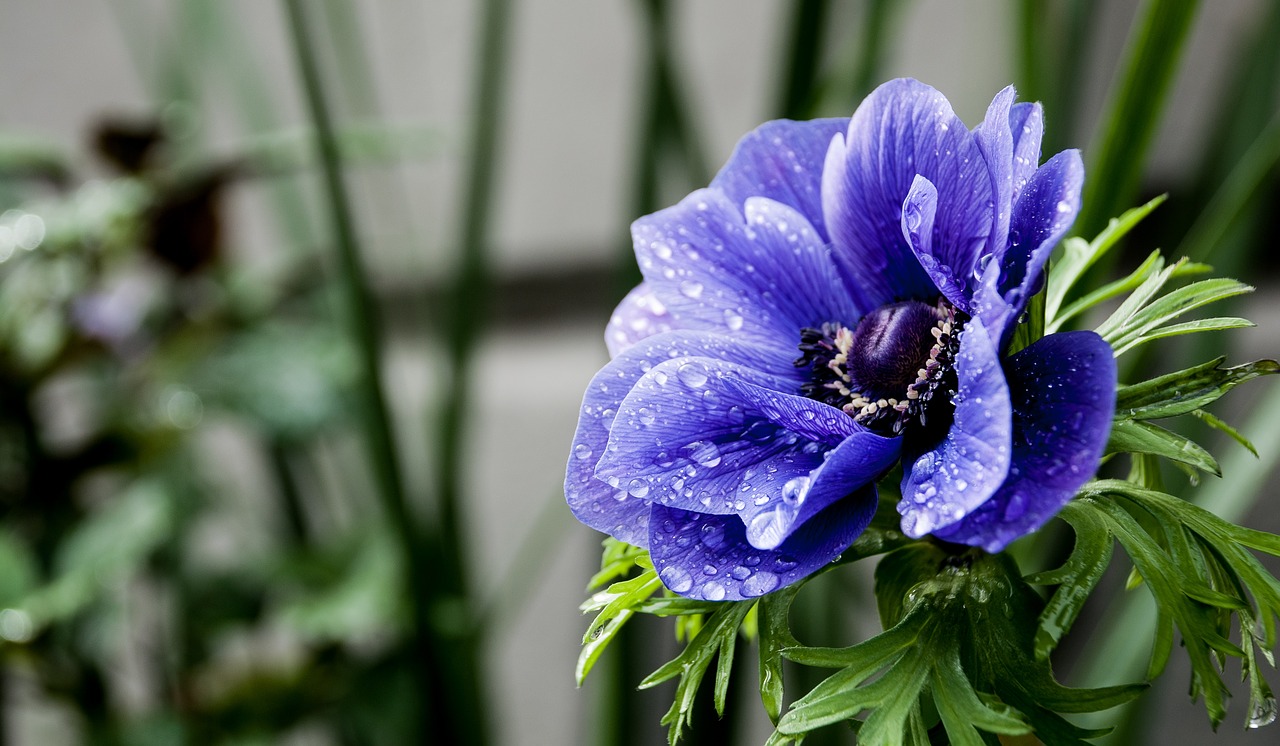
(782, 160)
(946, 483)
(639, 315)
(785, 500)
(995, 140)
(1042, 216)
(762, 277)
(708, 557)
(1064, 391)
(1026, 122)
(918, 212)
(902, 129)
(690, 432)
(596, 503)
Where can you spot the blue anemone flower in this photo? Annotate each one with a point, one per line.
(894, 252)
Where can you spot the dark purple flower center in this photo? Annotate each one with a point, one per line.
(892, 372)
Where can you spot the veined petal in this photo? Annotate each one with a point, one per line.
(1064, 391)
(639, 315)
(708, 557)
(610, 508)
(918, 212)
(786, 500)
(782, 160)
(762, 277)
(692, 432)
(949, 481)
(1042, 216)
(903, 129)
(995, 140)
(1026, 122)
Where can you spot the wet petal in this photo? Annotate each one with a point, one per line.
(762, 277)
(782, 160)
(691, 432)
(995, 139)
(1026, 122)
(708, 557)
(903, 129)
(1042, 216)
(639, 315)
(918, 212)
(946, 483)
(609, 508)
(784, 500)
(1064, 390)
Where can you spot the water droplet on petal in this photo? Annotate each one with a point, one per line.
(693, 375)
(794, 491)
(760, 583)
(582, 451)
(713, 591)
(676, 579)
(733, 320)
(638, 488)
(691, 289)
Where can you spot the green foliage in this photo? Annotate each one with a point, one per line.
(960, 646)
(1201, 574)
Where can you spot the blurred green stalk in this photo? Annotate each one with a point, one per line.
(1118, 157)
(450, 713)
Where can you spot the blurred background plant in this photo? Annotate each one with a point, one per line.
(297, 299)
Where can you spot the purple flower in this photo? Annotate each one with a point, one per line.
(894, 252)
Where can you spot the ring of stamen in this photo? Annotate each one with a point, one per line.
(828, 351)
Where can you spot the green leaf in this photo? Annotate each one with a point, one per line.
(1223, 427)
(717, 636)
(1078, 255)
(1170, 307)
(775, 635)
(964, 633)
(1076, 578)
(616, 606)
(1136, 436)
(1186, 390)
(1216, 324)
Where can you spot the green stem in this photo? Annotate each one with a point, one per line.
(441, 716)
(1134, 110)
(801, 58)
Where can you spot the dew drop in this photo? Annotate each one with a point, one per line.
(693, 375)
(713, 591)
(691, 289)
(794, 490)
(733, 320)
(645, 416)
(676, 579)
(638, 488)
(783, 563)
(1262, 713)
(582, 451)
(740, 573)
(760, 583)
(712, 535)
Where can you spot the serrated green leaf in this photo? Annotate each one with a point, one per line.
(1076, 578)
(717, 636)
(963, 712)
(1145, 291)
(1186, 390)
(1223, 427)
(1078, 255)
(775, 635)
(1137, 436)
(1216, 324)
(1153, 263)
(1171, 306)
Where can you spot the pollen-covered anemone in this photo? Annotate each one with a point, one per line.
(842, 297)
